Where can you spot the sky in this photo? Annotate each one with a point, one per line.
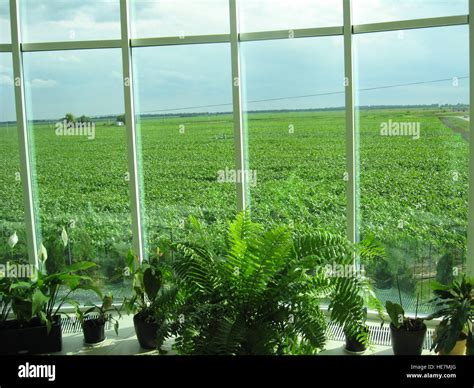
(182, 78)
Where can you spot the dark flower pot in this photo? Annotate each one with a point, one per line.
(407, 343)
(353, 345)
(31, 338)
(94, 331)
(146, 332)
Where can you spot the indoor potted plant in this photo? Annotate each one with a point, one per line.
(147, 282)
(36, 306)
(407, 334)
(261, 293)
(5, 302)
(455, 307)
(94, 319)
(356, 341)
(355, 328)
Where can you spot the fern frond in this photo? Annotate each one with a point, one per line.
(347, 306)
(196, 267)
(311, 325)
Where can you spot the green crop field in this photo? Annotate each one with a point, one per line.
(413, 192)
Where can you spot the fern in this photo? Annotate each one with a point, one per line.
(263, 295)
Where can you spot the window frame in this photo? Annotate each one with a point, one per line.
(234, 38)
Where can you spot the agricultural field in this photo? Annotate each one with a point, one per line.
(413, 187)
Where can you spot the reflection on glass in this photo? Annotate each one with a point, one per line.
(178, 18)
(295, 120)
(12, 216)
(414, 157)
(370, 11)
(80, 153)
(69, 20)
(186, 126)
(5, 33)
(267, 15)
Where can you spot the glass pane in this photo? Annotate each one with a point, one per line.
(370, 11)
(414, 154)
(12, 217)
(81, 158)
(185, 117)
(267, 15)
(70, 20)
(5, 33)
(295, 118)
(181, 18)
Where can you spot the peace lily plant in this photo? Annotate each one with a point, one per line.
(12, 241)
(35, 304)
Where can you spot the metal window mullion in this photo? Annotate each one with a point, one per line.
(176, 40)
(133, 166)
(351, 156)
(75, 45)
(23, 136)
(470, 234)
(445, 21)
(5, 48)
(296, 33)
(239, 130)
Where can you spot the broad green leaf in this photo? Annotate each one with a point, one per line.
(39, 300)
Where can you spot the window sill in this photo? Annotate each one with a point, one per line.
(126, 343)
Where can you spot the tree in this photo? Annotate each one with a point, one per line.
(121, 119)
(70, 118)
(383, 275)
(84, 119)
(444, 269)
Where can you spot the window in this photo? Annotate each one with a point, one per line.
(69, 20)
(370, 11)
(12, 216)
(412, 118)
(186, 130)
(295, 121)
(267, 15)
(80, 158)
(175, 18)
(5, 33)
(414, 153)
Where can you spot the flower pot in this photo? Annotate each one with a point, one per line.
(458, 350)
(406, 342)
(94, 331)
(146, 332)
(353, 345)
(32, 338)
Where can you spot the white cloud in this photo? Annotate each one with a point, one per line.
(261, 15)
(72, 20)
(373, 11)
(5, 69)
(179, 17)
(87, 19)
(6, 80)
(178, 69)
(179, 75)
(67, 58)
(42, 83)
(115, 74)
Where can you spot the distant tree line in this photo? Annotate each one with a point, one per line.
(70, 118)
(121, 119)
